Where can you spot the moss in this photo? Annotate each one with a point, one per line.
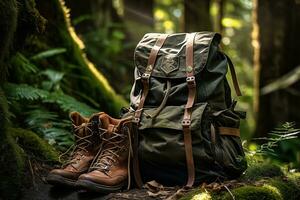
(12, 160)
(287, 188)
(33, 144)
(8, 23)
(197, 195)
(259, 171)
(11, 176)
(294, 177)
(277, 188)
(30, 22)
(253, 193)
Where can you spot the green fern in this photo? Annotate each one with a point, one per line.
(65, 102)
(24, 91)
(50, 126)
(48, 53)
(286, 132)
(21, 63)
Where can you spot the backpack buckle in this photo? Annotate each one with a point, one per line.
(136, 120)
(145, 76)
(191, 81)
(186, 122)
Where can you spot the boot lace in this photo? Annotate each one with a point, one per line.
(81, 143)
(110, 150)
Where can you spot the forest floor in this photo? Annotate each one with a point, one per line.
(36, 188)
(266, 181)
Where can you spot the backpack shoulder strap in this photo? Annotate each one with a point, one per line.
(147, 74)
(186, 122)
(137, 115)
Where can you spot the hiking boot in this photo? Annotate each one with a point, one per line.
(109, 171)
(87, 144)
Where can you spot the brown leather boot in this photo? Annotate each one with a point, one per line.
(87, 144)
(109, 171)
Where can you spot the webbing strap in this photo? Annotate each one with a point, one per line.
(137, 115)
(229, 131)
(186, 122)
(234, 77)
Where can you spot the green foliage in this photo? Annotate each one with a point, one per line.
(110, 41)
(48, 53)
(281, 142)
(288, 189)
(262, 180)
(65, 102)
(197, 195)
(253, 193)
(23, 64)
(33, 145)
(39, 97)
(13, 166)
(50, 126)
(262, 170)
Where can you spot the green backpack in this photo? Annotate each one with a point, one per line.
(186, 129)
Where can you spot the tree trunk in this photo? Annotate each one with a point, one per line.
(197, 16)
(220, 15)
(276, 43)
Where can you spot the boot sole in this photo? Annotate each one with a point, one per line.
(96, 187)
(54, 179)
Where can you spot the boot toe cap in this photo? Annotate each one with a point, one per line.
(102, 178)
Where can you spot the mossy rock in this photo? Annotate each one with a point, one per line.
(34, 145)
(278, 188)
(16, 145)
(11, 176)
(243, 193)
(197, 194)
(254, 193)
(294, 177)
(288, 188)
(260, 171)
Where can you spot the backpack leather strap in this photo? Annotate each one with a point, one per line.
(186, 122)
(233, 77)
(229, 131)
(147, 74)
(137, 115)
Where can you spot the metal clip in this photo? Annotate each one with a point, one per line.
(191, 81)
(136, 120)
(186, 122)
(145, 76)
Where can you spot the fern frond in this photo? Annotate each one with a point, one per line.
(68, 103)
(50, 126)
(65, 102)
(24, 65)
(286, 132)
(39, 117)
(48, 53)
(24, 91)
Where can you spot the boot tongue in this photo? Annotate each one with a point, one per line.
(78, 119)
